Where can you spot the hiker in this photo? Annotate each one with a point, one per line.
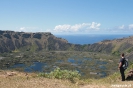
(121, 68)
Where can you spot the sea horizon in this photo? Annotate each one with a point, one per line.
(91, 38)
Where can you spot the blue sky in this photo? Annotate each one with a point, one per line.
(67, 16)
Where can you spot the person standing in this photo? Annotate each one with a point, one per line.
(121, 63)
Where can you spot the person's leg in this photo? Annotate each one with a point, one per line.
(122, 74)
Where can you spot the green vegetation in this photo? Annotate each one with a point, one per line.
(130, 50)
(117, 53)
(86, 63)
(61, 74)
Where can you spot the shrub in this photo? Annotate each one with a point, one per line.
(117, 53)
(61, 74)
(130, 50)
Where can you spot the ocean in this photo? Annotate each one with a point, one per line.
(91, 38)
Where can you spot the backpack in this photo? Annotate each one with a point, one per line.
(125, 65)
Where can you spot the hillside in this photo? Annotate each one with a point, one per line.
(10, 41)
(114, 47)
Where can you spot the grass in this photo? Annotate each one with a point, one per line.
(15, 79)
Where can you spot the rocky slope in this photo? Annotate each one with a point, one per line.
(114, 47)
(10, 41)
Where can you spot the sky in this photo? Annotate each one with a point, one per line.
(67, 16)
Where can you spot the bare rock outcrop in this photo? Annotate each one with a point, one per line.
(130, 75)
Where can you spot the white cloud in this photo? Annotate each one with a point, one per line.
(121, 27)
(95, 25)
(80, 28)
(62, 28)
(22, 29)
(77, 27)
(92, 28)
(127, 29)
(130, 26)
(28, 29)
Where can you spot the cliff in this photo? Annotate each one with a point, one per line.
(10, 41)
